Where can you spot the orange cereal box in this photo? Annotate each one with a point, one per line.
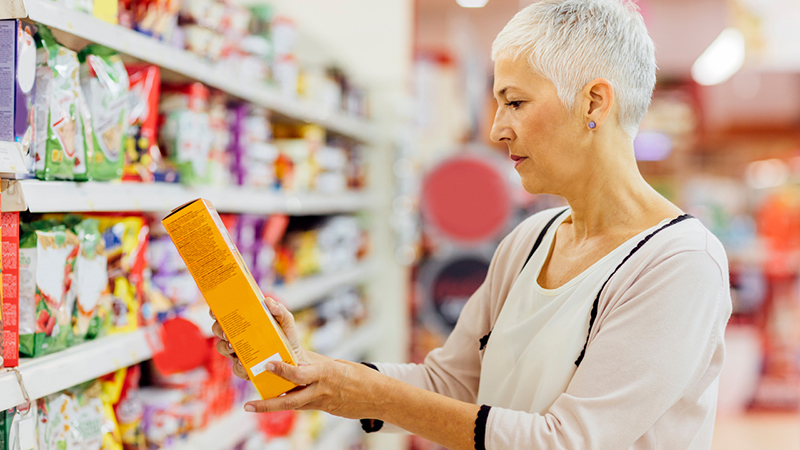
(231, 293)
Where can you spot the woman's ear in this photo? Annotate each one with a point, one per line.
(597, 102)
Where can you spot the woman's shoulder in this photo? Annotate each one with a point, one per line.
(688, 241)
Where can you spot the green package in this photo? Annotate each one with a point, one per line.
(72, 419)
(47, 254)
(60, 112)
(105, 86)
(91, 281)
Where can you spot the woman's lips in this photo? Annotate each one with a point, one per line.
(518, 160)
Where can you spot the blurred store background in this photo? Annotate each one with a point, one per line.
(347, 144)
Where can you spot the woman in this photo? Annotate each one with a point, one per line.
(599, 326)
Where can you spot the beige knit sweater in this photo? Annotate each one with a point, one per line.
(649, 377)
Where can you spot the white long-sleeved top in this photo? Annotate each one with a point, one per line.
(649, 377)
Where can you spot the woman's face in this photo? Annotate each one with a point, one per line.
(542, 137)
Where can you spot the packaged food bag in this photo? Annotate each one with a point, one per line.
(91, 279)
(73, 419)
(141, 145)
(60, 112)
(47, 260)
(125, 242)
(105, 84)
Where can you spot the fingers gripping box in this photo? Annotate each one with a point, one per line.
(231, 293)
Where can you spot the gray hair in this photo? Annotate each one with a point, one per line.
(572, 42)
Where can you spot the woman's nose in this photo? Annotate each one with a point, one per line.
(500, 129)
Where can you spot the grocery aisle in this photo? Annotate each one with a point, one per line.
(121, 113)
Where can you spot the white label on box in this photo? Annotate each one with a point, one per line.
(262, 366)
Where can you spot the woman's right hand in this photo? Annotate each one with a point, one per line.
(286, 321)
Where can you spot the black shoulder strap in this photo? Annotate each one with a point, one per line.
(541, 236)
(596, 303)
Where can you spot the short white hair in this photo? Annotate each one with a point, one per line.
(572, 42)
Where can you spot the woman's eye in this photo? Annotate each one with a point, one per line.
(514, 104)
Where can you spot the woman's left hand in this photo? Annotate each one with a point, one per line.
(338, 387)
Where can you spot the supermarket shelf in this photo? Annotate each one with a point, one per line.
(337, 434)
(64, 196)
(226, 432)
(223, 433)
(147, 49)
(53, 373)
(305, 291)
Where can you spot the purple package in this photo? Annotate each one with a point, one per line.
(248, 242)
(236, 148)
(17, 77)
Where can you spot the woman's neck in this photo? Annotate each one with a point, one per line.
(615, 199)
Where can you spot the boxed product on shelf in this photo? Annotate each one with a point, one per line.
(47, 257)
(231, 292)
(20, 63)
(141, 143)
(10, 296)
(105, 84)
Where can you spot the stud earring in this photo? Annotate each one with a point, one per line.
(592, 125)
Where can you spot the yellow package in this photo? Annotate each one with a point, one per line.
(231, 293)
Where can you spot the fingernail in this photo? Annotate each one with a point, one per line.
(229, 346)
(249, 408)
(271, 367)
(272, 301)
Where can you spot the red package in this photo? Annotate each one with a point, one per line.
(141, 141)
(10, 296)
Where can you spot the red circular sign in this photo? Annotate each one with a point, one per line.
(467, 199)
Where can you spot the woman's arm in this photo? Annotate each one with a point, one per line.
(354, 391)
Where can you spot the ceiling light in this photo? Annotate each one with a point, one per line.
(472, 3)
(723, 58)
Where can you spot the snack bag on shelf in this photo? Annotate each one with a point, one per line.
(10, 296)
(105, 86)
(185, 132)
(91, 279)
(60, 112)
(17, 107)
(111, 387)
(46, 262)
(125, 242)
(141, 145)
(129, 410)
(73, 419)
